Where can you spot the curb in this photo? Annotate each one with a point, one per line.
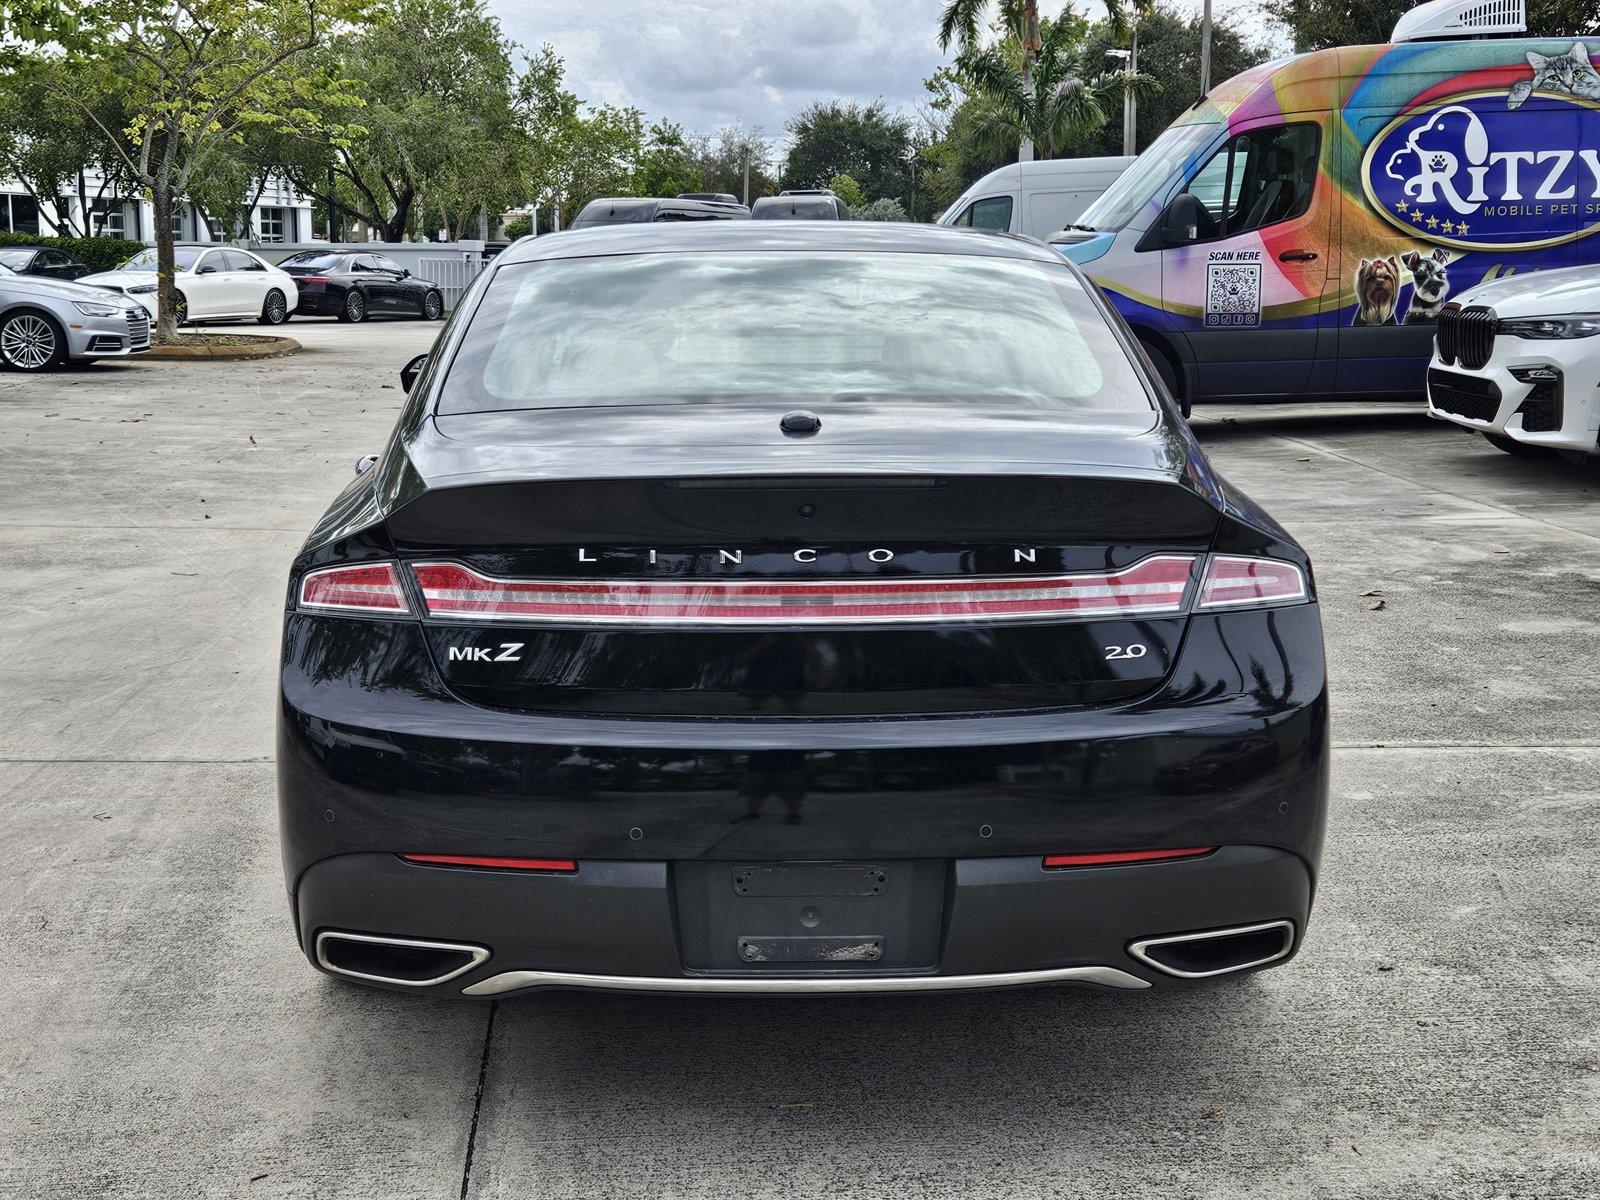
(259, 347)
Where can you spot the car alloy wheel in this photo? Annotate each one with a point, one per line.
(355, 307)
(29, 342)
(433, 306)
(274, 310)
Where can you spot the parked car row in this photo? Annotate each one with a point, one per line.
(56, 311)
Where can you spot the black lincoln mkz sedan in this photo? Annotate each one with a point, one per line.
(354, 287)
(745, 608)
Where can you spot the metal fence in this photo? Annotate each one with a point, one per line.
(451, 265)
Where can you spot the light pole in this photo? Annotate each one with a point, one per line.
(1130, 111)
(1205, 48)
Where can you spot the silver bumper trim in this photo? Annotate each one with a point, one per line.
(512, 981)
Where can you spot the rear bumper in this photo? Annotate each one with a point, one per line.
(320, 304)
(377, 758)
(1006, 922)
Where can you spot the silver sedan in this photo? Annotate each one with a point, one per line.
(46, 322)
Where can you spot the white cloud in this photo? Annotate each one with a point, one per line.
(710, 64)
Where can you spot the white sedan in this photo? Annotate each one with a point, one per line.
(214, 283)
(1518, 360)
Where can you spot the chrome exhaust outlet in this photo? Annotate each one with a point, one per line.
(402, 962)
(1216, 951)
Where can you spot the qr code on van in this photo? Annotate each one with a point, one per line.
(1233, 295)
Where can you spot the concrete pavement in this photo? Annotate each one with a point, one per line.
(160, 1035)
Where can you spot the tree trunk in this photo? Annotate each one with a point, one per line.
(1032, 41)
(161, 201)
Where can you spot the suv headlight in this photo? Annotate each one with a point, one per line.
(1547, 328)
(91, 309)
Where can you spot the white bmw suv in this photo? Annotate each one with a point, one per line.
(1518, 359)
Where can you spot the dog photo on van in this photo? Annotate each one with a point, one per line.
(1430, 284)
(1377, 289)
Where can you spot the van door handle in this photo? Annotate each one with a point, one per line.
(1298, 256)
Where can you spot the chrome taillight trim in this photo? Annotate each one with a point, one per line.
(1167, 598)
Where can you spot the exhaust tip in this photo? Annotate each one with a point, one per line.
(402, 962)
(1216, 951)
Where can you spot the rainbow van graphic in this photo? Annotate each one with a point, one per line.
(1297, 233)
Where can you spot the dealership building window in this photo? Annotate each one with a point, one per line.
(273, 225)
(109, 219)
(19, 214)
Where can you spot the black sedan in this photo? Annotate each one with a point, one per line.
(47, 262)
(354, 287)
(796, 608)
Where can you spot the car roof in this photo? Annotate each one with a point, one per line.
(714, 236)
(14, 246)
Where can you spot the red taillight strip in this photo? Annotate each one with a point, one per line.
(1235, 581)
(565, 866)
(1153, 585)
(1123, 856)
(362, 588)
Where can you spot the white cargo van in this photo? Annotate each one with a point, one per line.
(1036, 198)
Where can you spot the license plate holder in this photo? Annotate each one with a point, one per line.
(816, 916)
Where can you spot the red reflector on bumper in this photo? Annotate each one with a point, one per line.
(1123, 856)
(564, 866)
(1155, 585)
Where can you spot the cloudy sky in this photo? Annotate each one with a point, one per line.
(711, 63)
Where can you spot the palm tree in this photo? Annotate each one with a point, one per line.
(1052, 103)
(1124, 17)
(961, 22)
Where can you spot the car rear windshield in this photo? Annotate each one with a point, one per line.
(15, 258)
(314, 260)
(663, 328)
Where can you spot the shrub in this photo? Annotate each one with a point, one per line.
(101, 253)
(884, 209)
(518, 227)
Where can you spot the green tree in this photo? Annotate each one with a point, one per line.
(666, 165)
(721, 162)
(1056, 105)
(1316, 24)
(48, 147)
(187, 74)
(865, 141)
(578, 151)
(440, 138)
(961, 22)
(847, 189)
(1173, 40)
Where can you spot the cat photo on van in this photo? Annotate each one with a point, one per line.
(1571, 74)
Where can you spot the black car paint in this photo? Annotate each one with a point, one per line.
(382, 750)
(48, 262)
(388, 290)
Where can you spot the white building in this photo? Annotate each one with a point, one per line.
(280, 215)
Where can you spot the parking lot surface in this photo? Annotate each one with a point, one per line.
(160, 1035)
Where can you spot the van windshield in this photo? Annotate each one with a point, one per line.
(1151, 171)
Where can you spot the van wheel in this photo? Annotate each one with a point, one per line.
(1511, 446)
(1168, 371)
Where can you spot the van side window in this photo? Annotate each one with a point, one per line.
(992, 213)
(1257, 179)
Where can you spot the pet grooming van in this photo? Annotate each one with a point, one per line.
(1296, 233)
